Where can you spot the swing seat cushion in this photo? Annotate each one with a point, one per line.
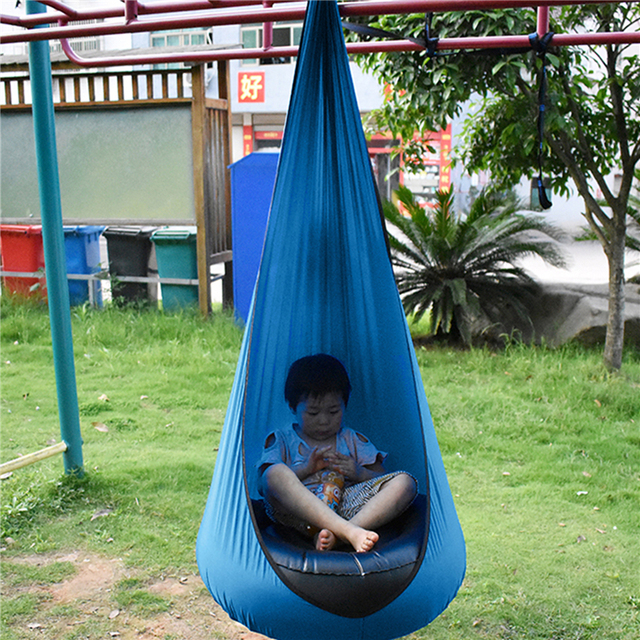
(346, 583)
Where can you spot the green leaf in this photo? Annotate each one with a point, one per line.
(498, 66)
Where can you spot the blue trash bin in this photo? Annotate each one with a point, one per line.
(252, 180)
(177, 257)
(82, 248)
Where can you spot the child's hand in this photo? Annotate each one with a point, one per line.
(318, 458)
(346, 465)
(316, 461)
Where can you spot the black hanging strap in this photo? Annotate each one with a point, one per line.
(540, 45)
(431, 42)
(365, 30)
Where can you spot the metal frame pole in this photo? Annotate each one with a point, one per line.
(54, 252)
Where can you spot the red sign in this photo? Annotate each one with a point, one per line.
(268, 135)
(251, 86)
(247, 139)
(445, 159)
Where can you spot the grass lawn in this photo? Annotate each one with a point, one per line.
(541, 446)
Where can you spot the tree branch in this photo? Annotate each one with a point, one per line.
(635, 154)
(596, 229)
(562, 150)
(583, 146)
(618, 105)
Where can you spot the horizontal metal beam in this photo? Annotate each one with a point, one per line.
(117, 11)
(105, 275)
(487, 42)
(201, 18)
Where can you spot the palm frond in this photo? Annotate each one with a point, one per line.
(462, 267)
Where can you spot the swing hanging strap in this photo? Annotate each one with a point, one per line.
(429, 42)
(365, 30)
(540, 46)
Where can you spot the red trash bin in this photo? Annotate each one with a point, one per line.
(21, 249)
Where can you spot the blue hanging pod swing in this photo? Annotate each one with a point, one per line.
(326, 286)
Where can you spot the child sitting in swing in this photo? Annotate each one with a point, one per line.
(322, 478)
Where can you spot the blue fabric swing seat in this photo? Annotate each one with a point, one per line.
(349, 584)
(326, 285)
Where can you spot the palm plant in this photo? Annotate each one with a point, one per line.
(465, 268)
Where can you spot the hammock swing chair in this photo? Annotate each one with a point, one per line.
(326, 285)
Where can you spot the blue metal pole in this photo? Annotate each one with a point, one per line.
(54, 253)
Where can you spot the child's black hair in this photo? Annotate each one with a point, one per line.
(315, 376)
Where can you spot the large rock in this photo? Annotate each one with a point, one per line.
(565, 312)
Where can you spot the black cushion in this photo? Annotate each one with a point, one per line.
(344, 582)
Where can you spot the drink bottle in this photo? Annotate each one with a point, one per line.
(330, 488)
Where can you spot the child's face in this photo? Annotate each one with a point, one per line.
(320, 417)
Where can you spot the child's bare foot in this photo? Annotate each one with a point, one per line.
(362, 540)
(325, 540)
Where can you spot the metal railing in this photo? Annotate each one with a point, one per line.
(114, 278)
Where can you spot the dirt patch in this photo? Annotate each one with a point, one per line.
(84, 606)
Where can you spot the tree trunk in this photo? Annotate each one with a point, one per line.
(615, 326)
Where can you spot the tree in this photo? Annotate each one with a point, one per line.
(632, 241)
(633, 231)
(592, 113)
(465, 268)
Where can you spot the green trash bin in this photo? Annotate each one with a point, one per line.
(177, 257)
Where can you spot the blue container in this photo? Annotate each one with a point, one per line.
(252, 180)
(177, 257)
(82, 248)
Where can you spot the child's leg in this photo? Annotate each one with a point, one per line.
(394, 497)
(285, 490)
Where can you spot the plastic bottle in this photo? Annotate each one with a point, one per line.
(330, 488)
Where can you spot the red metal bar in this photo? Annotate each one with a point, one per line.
(194, 19)
(117, 11)
(160, 24)
(495, 42)
(347, 9)
(267, 29)
(61, 6)
(271, 14)
(130, 10)
(543, 21)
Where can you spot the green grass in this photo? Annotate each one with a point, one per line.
(149, 448)
(541, 446)
(20, 606)
(131, 594)
(19, 574)
(541, 449)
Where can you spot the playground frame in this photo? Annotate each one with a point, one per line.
(133, 16)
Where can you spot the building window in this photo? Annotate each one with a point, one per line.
(285, 34)
(80, 45)
(181, 38)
